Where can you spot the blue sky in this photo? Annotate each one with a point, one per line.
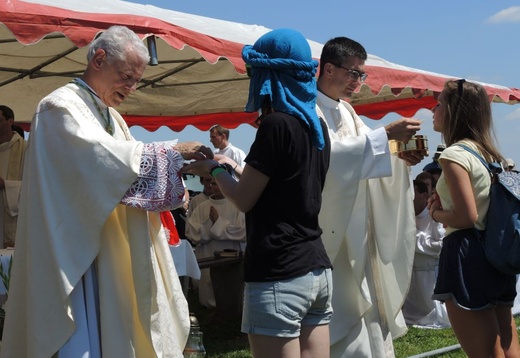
(475, 40)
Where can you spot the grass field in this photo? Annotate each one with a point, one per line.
(223, 339)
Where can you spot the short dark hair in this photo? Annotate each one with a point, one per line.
(338, 49)
(421, 186)
(7, 112)
(220, 130)
(422, 176)
(18, 130)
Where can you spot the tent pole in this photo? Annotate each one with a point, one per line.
(152, 49)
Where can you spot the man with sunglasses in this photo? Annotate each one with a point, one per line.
(367, 213)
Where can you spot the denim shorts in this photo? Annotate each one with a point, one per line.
(281, 308)
(468, 278)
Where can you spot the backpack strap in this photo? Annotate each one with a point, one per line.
(493, 168)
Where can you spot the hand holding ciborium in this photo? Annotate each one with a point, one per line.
(404, 142)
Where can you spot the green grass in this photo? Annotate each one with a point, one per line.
(221, 335)
(418, 341)
(223, 339)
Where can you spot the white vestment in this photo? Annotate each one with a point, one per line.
(194, 202)
(72, 228)
(368, 224)
(419, 308)
(228, 232)
(11, 169)
(234, 153)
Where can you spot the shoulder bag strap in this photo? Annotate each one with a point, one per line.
(486, 164)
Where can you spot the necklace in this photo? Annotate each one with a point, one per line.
(106, 118)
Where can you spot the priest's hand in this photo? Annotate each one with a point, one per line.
(403, 129)
(412, 157)
(194, 151)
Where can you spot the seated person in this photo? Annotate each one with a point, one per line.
(204, 195)
(214, 225)
(419, 309)
(428, 179)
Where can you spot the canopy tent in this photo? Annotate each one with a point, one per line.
(199, 78)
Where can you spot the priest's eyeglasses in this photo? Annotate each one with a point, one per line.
(354, 74)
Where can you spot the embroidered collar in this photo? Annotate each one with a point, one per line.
(106, 118)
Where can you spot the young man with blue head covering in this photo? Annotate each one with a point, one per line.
(287, 299)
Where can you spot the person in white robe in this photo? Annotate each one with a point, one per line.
(215, 225)
(419, 308)
(368, 227)
(12, 153)
(93, 275)
(200, 197)
(219, 137)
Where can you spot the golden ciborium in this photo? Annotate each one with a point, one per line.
(417, 142)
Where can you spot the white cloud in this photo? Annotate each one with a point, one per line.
(511, 14)
(513, 116)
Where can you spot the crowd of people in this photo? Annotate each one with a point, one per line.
(354, 254)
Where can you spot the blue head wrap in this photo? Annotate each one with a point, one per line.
(283, 69)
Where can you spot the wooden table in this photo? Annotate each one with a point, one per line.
(209, 262)
(227, 278)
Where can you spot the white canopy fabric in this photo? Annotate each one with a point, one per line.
(200, 77)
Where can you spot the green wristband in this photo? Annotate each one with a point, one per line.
(216, 170)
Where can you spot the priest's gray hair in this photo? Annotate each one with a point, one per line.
(117, 41)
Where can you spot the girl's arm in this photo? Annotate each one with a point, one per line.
(464, 212)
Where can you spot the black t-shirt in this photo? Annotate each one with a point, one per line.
(283, 234)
